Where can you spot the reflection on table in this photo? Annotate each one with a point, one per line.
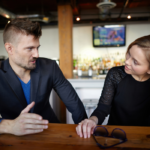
(63, 136)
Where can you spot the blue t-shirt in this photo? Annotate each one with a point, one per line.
(26, 90)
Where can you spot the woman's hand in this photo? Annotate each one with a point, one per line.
(86, 127)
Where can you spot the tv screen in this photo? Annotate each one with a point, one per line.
(109, 36)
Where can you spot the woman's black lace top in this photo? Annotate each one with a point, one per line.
(125, 99)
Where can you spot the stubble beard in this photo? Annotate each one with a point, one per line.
(30, 68)
(27, 67)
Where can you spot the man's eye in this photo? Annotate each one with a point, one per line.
(29, 48)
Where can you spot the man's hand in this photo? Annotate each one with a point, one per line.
(26, 123)
(86, 127)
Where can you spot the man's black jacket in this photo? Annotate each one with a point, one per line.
(45, 77)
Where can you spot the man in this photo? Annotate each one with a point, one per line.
(26, 82)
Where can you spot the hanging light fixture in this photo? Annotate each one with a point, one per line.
(104, 7)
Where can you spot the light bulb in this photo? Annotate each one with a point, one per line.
(129, 17)
(78, 18)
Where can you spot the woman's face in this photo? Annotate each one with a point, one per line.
(136, 62)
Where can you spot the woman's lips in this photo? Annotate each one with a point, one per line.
(126, 68)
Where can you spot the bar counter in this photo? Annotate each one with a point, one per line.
(64, 137)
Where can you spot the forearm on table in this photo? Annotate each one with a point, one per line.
(5, 126)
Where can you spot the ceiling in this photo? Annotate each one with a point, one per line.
(87, 10)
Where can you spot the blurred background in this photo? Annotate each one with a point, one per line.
(86, 14)
(85, 37)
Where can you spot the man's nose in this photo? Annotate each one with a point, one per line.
(35, 53)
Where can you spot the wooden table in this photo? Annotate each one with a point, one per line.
(64, 137)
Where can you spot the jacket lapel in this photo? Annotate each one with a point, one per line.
(14, 83)
(35, 75)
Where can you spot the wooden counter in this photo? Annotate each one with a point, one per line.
(64, 137)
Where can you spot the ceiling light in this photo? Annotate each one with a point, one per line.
(78, 19)
(104, 8)
(106, 5)
(129, 16)
(7, 16)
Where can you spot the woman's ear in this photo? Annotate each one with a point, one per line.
(9, 48)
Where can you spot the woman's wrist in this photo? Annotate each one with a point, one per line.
(94, 118)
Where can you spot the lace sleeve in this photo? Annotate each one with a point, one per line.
(113, 77)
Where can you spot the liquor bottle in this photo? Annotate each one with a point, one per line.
(79, 71)
(100, 66)
(117, 59)
(90, 72)
(74, 64)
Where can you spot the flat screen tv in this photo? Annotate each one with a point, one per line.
(109, 36)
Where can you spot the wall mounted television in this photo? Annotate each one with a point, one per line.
(109, 36)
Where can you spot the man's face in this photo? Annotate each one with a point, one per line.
(25, 51)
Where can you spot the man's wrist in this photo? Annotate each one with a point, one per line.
(6, 126)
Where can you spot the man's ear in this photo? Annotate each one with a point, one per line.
(9, 48)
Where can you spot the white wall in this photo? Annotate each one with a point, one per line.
(2, 49)
(49, 42)
(82, 41)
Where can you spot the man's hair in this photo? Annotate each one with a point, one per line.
(23, 26)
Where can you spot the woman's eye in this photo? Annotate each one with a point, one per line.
(135, 62)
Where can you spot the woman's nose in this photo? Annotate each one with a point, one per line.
(128, 61)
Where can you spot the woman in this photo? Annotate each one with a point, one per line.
(126, 92)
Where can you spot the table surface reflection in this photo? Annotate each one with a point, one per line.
(64, 137)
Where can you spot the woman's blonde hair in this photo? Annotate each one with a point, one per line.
(144, 43)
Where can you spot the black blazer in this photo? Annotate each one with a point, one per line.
(45, 77)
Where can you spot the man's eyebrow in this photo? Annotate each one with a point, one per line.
(31, 47)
